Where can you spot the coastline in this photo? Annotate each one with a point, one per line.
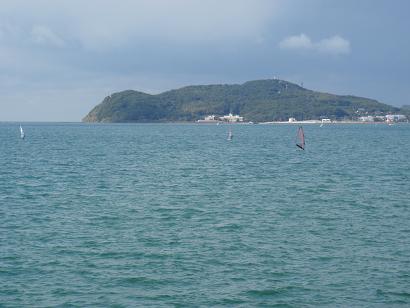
(319, 122)
(293, 122)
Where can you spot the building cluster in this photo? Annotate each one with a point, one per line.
(385, 118)
(231, 118)
(226, 118)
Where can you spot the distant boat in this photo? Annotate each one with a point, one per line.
(230, 135)
(22, 135)
(300, 138)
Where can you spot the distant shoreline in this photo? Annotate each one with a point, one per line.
(295, 122)
(194, 122)
(319, 122)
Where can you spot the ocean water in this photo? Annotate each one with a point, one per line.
(168, 215)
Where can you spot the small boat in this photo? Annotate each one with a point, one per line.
(22, 135)
(300, 138)
(230, 135)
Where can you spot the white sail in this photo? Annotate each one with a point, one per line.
(22, 135)
(230, 135)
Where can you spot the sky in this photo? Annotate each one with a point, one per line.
(58, 59)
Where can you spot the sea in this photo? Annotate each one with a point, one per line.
(175, 215)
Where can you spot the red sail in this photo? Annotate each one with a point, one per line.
(300, 138)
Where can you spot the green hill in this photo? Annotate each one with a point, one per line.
(258, 101)
(405, 109)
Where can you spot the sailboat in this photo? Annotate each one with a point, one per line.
(230, 135)
(22, 135)
(300, 139)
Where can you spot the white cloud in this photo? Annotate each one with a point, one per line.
(45, 36)
(301, 41)
(335, 45)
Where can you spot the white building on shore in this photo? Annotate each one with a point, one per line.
(366, 119)
(395, 117)
(209, 119)
(231, 118)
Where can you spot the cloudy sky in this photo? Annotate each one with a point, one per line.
(60, 58)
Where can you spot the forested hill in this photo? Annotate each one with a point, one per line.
(258, 101)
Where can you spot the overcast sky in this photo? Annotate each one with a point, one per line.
(58, 59)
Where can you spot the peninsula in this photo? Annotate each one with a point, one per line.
(257, 101)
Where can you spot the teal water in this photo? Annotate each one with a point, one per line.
(175, 215)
